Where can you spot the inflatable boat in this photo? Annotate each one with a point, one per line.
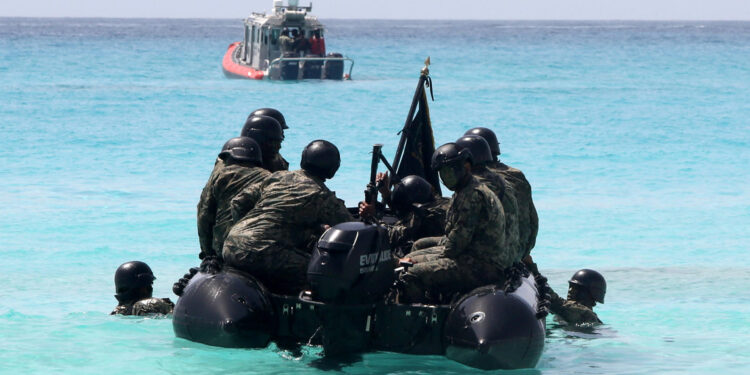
(349, 309)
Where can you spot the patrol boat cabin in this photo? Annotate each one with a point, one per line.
(287, 44)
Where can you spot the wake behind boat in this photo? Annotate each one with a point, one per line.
(288, 44)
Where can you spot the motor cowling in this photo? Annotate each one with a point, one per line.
(334, 69)
(351, 264)
(289, 70)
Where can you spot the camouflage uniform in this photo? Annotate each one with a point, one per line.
(284, 218)
(214, 207)
(278, 163)
(571, 311)
(427, 219)
(146, 306)
(286, 43)
(507, 197)
(470, 255)
(528, 221)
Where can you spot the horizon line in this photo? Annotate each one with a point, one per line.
(394, 19)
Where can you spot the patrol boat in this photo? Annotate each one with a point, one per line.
(261, 55)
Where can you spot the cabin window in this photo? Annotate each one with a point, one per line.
(265, 36)
(275, 33)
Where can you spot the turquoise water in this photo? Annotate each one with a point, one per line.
(634, 136)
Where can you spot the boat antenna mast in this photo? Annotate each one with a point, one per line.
(292, 5)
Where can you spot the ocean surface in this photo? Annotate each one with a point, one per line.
(635, 137)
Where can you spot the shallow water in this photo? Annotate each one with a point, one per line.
(634, 136)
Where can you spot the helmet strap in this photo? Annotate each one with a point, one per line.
(464, 171)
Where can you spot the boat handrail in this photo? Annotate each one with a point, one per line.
(279, 60)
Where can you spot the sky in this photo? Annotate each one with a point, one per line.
(394, 9)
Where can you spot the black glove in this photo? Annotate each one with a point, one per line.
(180, 285)
(211, 265)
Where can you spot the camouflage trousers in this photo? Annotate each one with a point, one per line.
(281, 269)
(437, 279)
(426, 243)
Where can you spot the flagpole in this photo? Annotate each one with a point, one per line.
(424, 73)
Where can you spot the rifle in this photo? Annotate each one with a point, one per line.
(371, 192)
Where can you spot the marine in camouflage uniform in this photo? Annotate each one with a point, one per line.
(419, 210)
(481, 155)
(148, 306)
(424, 220)
(274, 162)
(133, 285)
(268, 133)
(506, 194)
(285, 215)
(528, 220)
(586, 288)
(226, 181)
(572, 311)
(471, 253)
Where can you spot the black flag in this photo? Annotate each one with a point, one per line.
(414, 152)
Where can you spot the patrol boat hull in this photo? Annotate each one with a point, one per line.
(292, 68)
(233, 68)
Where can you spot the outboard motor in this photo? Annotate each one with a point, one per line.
(289, 69)
(351, 264)
(312, 69)
(229, 309)
(493, 329)
(334, 69)
(351, 269)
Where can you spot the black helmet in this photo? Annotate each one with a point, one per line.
(591, 281)
(451, 155)
(488, 136)
(270, 112)
(412, 189)
(257, 135)
(321, 158)
(267, 126)
(241, 149)
(480, 149)
(129, 278)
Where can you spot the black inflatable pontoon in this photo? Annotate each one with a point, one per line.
(350, 273)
